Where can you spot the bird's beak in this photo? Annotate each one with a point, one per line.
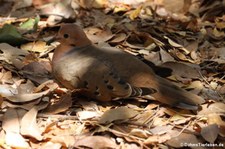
(55, 38)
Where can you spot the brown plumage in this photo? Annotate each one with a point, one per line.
(108, 73)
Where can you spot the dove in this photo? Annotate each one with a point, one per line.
(110, 73)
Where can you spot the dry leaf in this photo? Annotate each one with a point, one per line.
(210, 132)
(29, 125)
(157, 139)
(7, 90)
(120, 113)
(216, 119)
(20, 98)
(118, 38)
(166, 57)
(159, 130)
(99, 3)
(135, 13)
(217, 107)
(84, 115)
(10, 121)
(182, 140)
(97, 35)
(15, 140)
(66, 140)
(193, 46)
(178, 119)
(38, 46)
(196, 87)
(57, 11)
(27, 87)
(25, 106)
(12, 55)
(60, 106)
(176, 45)
(174, 5)
(139, 133)
(37, 71)
(95, 142)
(50, 145)
(11, 125)
(144, 118)
(183, 70)
(6, 77)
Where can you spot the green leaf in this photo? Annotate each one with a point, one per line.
(30, 24)
(9, 34)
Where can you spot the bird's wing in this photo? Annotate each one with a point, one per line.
(104, 82)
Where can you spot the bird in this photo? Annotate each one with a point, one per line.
(109, 73)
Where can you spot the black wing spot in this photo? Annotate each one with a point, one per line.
(85, 84)
(111, 73)
(97, 88)
(106, 81)
(96, 93)
(121, 82)
(110, 87)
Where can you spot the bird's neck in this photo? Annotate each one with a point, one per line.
(64, 49)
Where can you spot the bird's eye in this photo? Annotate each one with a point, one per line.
(65, 35)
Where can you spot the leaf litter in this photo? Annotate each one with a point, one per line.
(189, 49)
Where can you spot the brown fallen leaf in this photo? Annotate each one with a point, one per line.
(10, 122)
(84, 115)
(120, 113)
(65, 140)
(27, 87)
(60, 106)
(216, 119)
(38, 46)
(196, 87)
(139, 133)
(192, 46)
(15, 140)
(165, 56)
(183, 70)
(12, 55)
(51, 145)
(97, 35)
(159, 130)
(176, 45)
(95, 142)
(182, 140)
(217, 107)
(57, 12)
(210, 132)
(25, 106)
(178, 119)
(118, 38)
(29, 125)
(6, 77)
(7, 90)
(11, 125)
(20, 98)
(157, 139)
(135, 13)
(174, 6)
(144, 117)
(38, 72)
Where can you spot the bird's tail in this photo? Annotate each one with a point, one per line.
(171, 94)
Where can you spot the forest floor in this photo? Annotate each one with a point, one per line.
(182, 41)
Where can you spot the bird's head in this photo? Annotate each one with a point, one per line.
(73, 35)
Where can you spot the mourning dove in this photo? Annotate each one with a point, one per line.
(110, 73)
